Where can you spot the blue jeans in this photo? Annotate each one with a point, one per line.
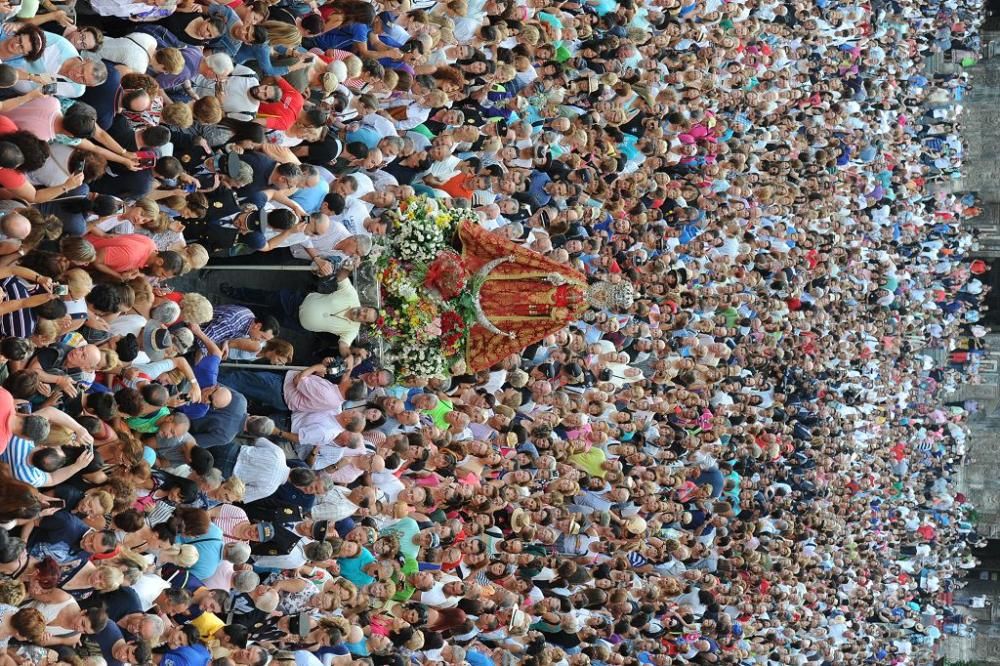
(264, 387)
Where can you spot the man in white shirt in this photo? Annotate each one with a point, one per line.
(263, 468)
(322, 244)
(236, 101)
(354, 215)
(339, 502)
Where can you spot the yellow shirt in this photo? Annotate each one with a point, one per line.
(207, 624)
(590, 461)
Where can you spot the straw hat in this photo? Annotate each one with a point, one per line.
(519, 519)
(636, 525)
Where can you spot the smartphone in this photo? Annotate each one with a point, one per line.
(60, 289)
(57, 502)
(49, 88)
(146, 159)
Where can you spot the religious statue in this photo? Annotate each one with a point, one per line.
(443, 309)
(524, 296)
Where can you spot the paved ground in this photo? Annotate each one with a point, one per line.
(208, 281)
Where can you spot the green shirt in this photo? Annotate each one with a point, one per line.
(438, 413)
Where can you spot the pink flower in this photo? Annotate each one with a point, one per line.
(434, 327)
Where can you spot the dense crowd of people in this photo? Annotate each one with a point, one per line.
(754, 463)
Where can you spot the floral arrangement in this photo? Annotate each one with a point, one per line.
(427, 302)
(421, 228)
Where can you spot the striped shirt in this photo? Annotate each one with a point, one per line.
(228, 518)
(19, 323)
(18, 456)
(262, 468)
(229, 322)
(161, 512)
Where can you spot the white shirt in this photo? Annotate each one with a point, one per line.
(323, 244)
(379, 124)
(327, 313)
(131, 51)
(334, 506)
(125, 9)
(262, 468)
(148, 588)
(55, 171)
(354, 216)
(316, 429)
(296, 238)
(436, 597)
(237, 102)
(364, 183)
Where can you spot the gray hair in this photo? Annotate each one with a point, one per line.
(166, 312)
(244, 581)
(100, 69)
(220, 63)
(35, 428)
(396, 141)
(260, 426)
(183, 340)
(157, 623)
(245, 175)
(236, 552)
(213, 479)
(364, 243)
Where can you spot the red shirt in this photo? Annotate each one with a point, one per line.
(281, 115)
(458, 186)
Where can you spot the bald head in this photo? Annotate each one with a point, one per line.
(15, 225)
(220, 398)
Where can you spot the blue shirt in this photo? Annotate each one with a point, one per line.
(351, 568)
(287, 493)
(207, 374)
(344, 37)
(477, 658)
(209, 547)
(311, 198)
(187, 655)
(61, 527)
(226, 42)
(262, 54)
(106, 638)
(535, 191)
